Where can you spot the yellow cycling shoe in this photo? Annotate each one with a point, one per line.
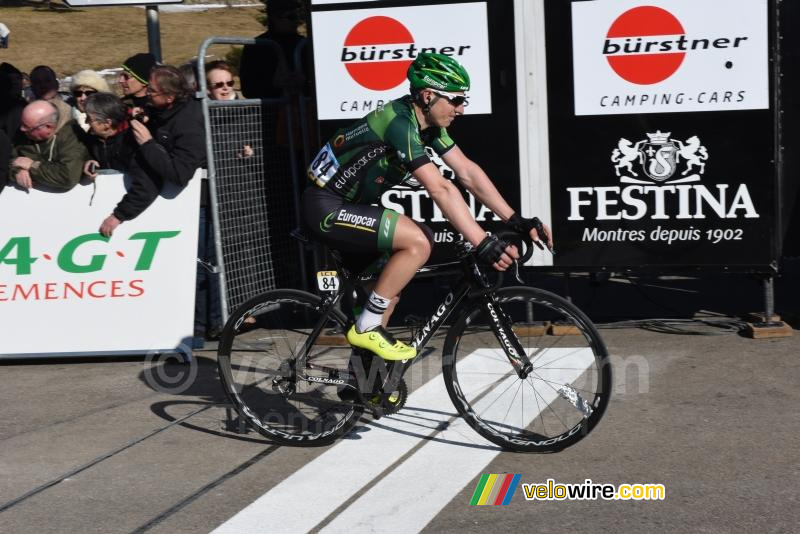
(380, 342)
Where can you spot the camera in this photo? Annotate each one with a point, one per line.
(93, 167)
(141, 116)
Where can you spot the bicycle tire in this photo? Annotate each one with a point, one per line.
(257, 351)
(567, 392)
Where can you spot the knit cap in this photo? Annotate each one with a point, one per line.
(139, 66)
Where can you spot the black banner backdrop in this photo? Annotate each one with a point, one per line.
(660, 191)
(488, 139)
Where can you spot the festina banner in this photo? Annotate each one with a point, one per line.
(67, 290)
(361, 55)
(661, 133)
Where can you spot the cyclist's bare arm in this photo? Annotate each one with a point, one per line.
(448, 198)
(477, 182)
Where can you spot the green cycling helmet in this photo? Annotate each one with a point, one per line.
(437, 71)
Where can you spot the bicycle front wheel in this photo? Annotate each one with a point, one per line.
(559, 402)
(267, 381)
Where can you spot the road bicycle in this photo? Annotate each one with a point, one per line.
(524, 367)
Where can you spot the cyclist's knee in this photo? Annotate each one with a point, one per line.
(412, 237)
(421, 245)
(427, 232)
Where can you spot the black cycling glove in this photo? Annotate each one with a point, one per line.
(490, 249)
(523, 226)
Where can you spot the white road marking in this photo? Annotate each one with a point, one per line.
(413, 493)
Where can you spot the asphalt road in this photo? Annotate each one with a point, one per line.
(94, 446)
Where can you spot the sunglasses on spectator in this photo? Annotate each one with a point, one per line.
(455, 100)
(78, 94)
(220, 85)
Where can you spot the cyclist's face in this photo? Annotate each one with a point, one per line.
(442, 110)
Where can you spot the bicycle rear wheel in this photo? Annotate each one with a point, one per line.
(259, 368)
(559, 402)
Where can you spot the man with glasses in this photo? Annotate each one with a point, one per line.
(385, 149)
(43, 154)
(133, 80)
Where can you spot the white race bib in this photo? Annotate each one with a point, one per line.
(324, 166)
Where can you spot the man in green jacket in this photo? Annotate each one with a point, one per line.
(45, 155)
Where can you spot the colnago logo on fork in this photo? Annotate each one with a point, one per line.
(502, 327)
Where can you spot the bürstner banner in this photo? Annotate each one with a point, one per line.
(661, 133)
(669, 56)
(65, 289)
(361, 55)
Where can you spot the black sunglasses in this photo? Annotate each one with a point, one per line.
(220, 85)
(83, 93)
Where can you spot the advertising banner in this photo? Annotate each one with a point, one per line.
(669, 56)
(361, 55)
(67, 290)
(353, 80)
(661, 134)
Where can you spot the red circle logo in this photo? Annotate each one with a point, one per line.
(643, 60)
(370, 54)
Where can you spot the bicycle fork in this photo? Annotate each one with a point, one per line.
(501, 326)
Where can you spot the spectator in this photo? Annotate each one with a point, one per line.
(4, 32)
(134, 78)
(11, 101)
(45, 154)
(189, 71)
(219, 86)
(44, 84)
(262, 72)
(111, 144)
(173, 141)
(171, 138)
(85, 83)
(219, 81)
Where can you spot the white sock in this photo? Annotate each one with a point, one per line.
(373, 312)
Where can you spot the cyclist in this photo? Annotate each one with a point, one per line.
(387, 148)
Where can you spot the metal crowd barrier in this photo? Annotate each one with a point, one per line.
(254, 186)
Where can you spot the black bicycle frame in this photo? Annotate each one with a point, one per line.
(472, 284)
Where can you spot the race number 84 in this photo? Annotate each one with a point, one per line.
(324, 166)
(327, 280)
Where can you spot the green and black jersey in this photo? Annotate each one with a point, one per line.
(376, 153)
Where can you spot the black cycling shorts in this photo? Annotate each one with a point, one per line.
(364, 231)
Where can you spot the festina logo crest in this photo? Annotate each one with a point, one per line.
(659, 158)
